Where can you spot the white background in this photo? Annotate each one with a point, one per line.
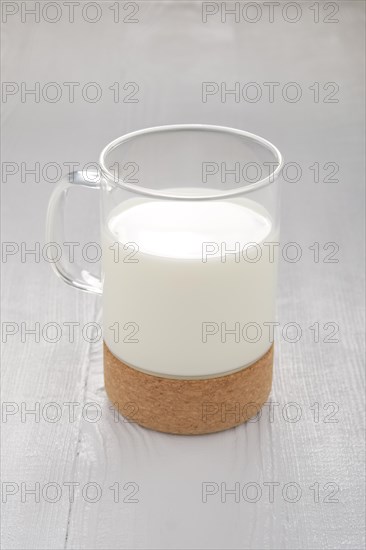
(169, 52)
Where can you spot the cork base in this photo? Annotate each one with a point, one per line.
(188, 406)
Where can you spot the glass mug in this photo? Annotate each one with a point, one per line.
(189, 224)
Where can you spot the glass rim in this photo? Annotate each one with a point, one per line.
(155, 193)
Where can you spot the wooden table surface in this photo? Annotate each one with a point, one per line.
(74, 474)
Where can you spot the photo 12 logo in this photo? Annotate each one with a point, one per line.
(271, 412)
(269, 491)
(52, 412)
(269, 12)
(70, 12)
(240, 173)
(69, 92)
(53, 171)
(270, 92)
(69, 491)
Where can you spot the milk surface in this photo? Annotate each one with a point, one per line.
(180, 297)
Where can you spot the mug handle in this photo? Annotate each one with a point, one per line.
(72, 274)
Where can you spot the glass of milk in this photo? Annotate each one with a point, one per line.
(190, 230)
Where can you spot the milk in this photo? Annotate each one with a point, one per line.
(176, 301)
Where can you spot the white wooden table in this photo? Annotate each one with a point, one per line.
(296, 474)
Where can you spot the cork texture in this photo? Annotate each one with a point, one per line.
(188, 406)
